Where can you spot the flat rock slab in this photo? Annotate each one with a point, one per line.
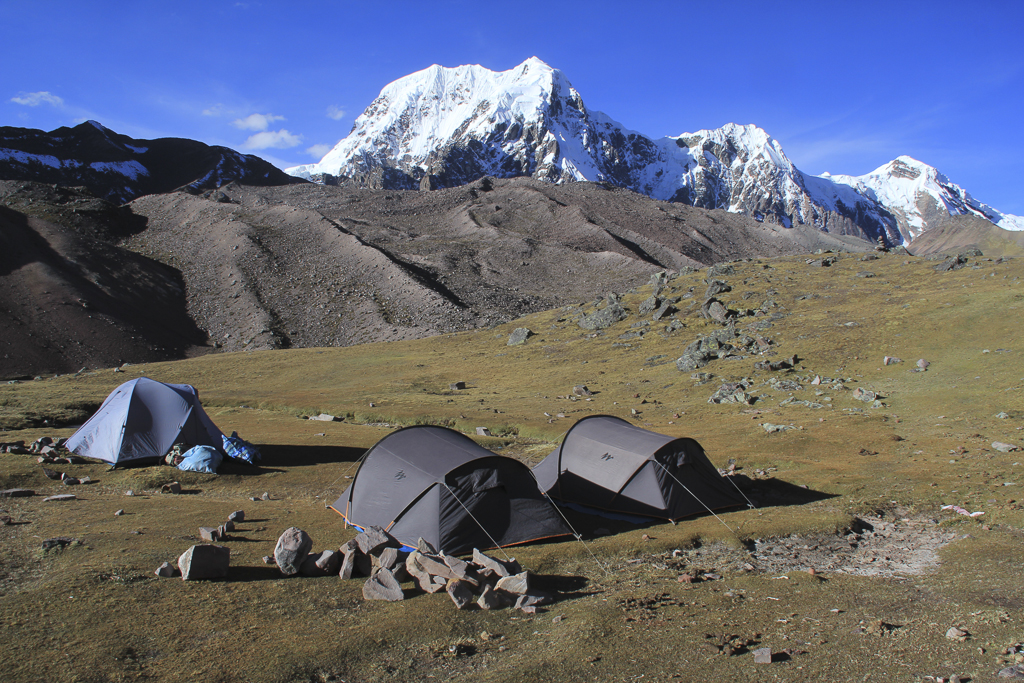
(489, 598)
(204, 562)
(60, 498)
(383, 586)
(517, 584)
(292, 548)
(1004, 447)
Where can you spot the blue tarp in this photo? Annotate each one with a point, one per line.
(201, 459)
(240, 449)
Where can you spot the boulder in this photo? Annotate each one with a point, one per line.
(292, 548)
(237, 516)
(581, 390)
(605, 317)
(373, 540)
(204, 562)
(383, 586)
(518, 336)
(460, 592)
(324, 417)
(421, 575)
(489, 598)
(387, 559)
(173, 487)
(210, 534)
(483, 431)
(457, 386)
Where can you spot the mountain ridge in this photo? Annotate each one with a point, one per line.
(443, 127)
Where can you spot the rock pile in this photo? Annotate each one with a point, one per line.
(386, 564)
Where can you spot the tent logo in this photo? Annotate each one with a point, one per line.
(399, 475)
(607, 456)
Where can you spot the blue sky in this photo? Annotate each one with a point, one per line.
(844, 86)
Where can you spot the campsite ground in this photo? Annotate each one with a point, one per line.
(885, 591)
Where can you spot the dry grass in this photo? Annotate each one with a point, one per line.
(96, 613)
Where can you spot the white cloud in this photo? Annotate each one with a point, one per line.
(256, 121)
(318, 151)
(34, 99)
(272, 139)
(215, 110)
(335, 112)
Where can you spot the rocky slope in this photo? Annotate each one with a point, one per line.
(447, 127)
(313, 265)
(70, 298)
(119, 168)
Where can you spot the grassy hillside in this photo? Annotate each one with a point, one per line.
(95, 611)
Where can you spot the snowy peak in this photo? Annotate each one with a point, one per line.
(917, 194)
(443, 127)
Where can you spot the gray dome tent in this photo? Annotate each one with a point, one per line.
(143, 419)
(438, 484)
(607, 463)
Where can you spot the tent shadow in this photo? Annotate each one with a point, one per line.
(277, 455)
(778, 493)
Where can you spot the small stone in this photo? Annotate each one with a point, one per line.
(581, 390)
(173, 487)
(1015, 671)
(383, 586)
(119, 513)
(50, 474)
(324, 417)
(237, 516)
(267, 559)
(425, 547)
(457, 386)
(923, 364)
(483, 431)
(204, 562)
(265, 496)
(1004, 447)
(763, 655)
(166, 570)
(129, 492)
(955, 633)
(534, 597)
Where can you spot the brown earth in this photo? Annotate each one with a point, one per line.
(306, 265)
(893, 570)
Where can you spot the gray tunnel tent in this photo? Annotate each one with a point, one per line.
(143, 419)
(438, 484)
(607, 463)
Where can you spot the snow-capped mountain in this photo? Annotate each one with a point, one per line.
(443, 127)
(119, 168)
